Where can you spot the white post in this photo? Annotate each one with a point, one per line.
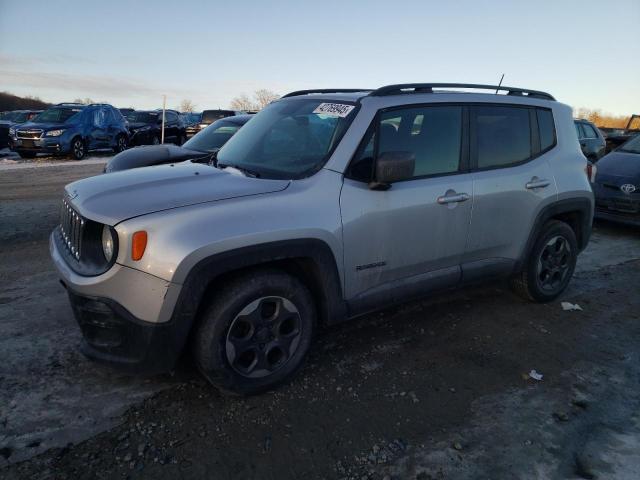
(164, 106)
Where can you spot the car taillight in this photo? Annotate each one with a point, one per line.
(591, 171)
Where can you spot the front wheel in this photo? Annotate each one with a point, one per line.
(255, 335)
(550, 265)
(121, 144)
(78, 149)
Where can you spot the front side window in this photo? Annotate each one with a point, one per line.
(289, 139)
(502, 135)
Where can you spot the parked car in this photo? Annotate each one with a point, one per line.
(71, 129)
(145, 127)
(210, 116)
(11, 119)
(326, 205)
(192, 122)
(592, 142)
(126, 111)
(200, 147)
(617, 184)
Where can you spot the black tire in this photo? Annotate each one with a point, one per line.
(24, 154)
(274, 332)
(550, 265)
(78, 148)
(121, 144)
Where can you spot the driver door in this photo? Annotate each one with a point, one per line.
(408, 239)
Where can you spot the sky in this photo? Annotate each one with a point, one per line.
(129, 53)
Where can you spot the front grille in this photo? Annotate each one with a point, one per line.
(30, 133)
(71, 229)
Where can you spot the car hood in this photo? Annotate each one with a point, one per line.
(116, 197)
(45, 126)
(619, 167)
(150, 155)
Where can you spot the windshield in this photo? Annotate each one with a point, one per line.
(213, 137)
(20, 117)
(632, 146)
(143, 117)
(290, 139)
(192, 118)
(57, 115)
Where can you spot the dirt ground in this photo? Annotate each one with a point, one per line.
(437, 389)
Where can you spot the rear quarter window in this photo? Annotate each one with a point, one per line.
(502, 135)
(547, 128)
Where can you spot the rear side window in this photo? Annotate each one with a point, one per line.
(589, 132)
(546, 128)
(502, 135)
(579, 130)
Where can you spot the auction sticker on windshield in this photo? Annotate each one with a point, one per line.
(334, 109)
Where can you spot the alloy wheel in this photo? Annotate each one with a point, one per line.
(554, 263)
(78, 149)
(263, 336)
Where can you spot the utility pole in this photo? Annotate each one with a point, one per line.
(164, 107)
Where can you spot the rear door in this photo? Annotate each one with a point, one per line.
(512, 180)
(410, 238)
(98, 130)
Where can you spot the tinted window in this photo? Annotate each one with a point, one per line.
(213, 137)
(209, 116)
(57, 114)
(578, 130)
(589, 132)
(546, 128)
(432, 134)
(503, 135)
(170, 117)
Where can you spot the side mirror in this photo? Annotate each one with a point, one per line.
(392, 167)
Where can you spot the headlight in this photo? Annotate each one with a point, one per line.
(12, 132)
(54, 133)
(107, 243)
(203, 125)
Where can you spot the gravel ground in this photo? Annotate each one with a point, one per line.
(435, 389)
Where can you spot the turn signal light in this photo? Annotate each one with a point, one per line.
(138, 245)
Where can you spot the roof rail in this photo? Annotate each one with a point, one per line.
(326, 90)
(99, 105)
(404, 88)
(70, 104)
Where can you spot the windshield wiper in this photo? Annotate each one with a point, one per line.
(247, 171)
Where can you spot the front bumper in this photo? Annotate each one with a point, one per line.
(129, 319)
(51, 145)
(618, 208)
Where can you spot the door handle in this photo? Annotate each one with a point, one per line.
(453, 198)
(537, 183)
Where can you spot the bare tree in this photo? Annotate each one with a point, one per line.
(242, 102)
(186, 106)
(264, 97)
(86, 101)
(261, 98)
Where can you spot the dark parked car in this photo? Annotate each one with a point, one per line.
(11, 119)
(145, 127)
(192, 122)
(201, 146)
(126, 111)
(71, 129)
(210, 116)
(591, 140)
(617, 184)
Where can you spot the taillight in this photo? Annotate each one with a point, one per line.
(591, 171)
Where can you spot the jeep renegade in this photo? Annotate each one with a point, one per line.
(327, 205)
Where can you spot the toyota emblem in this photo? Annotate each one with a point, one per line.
(628, 188)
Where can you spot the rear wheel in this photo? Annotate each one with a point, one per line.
(550, 265)
(255, 335)
(78, 149)
(24, 154)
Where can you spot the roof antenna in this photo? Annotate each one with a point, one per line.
(501, 78)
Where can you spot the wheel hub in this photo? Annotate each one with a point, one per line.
(263, 336)
(554, 263)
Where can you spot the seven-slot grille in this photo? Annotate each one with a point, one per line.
(71, 228)
(30, 133)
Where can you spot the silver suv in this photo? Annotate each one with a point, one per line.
(326, 205)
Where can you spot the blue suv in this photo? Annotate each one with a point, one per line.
(71, 129)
